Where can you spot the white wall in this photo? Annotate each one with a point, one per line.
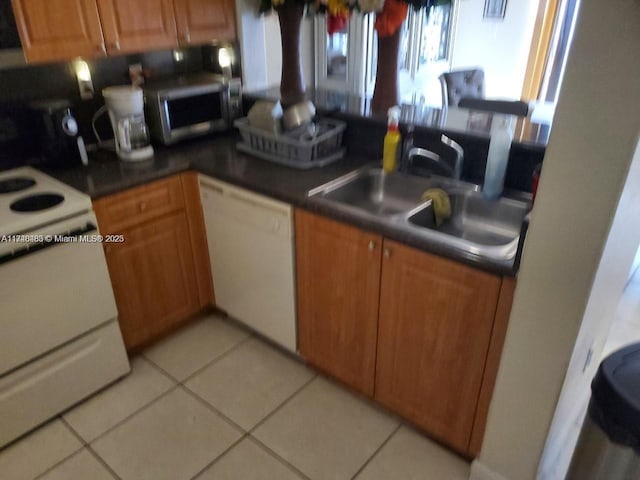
(636, 264)
(274, 55)
(251, 33)
(274, 50)
(260, 47)
(500, 47)
(591, 146)
(608, 286)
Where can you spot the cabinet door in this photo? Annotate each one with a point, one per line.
(199, 246)
(137, 25)
(53, 30)
(435, 325)
(338, 270)
(153, 278)
(205, 20)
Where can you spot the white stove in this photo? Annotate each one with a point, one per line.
(29, 200)
(59, 336)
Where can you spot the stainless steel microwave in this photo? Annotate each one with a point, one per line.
(191, 105)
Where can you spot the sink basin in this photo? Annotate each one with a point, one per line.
(476, 220)
(375, 192)
(479, 228)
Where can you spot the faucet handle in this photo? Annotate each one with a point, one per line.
(459, 154)
(453, 144)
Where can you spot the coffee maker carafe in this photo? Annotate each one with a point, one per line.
(125, 105)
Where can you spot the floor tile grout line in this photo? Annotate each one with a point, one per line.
(217, 359)
(103, 462)
(284, 402)
(73, 430)
(61, 461)
(373, 455)
(134, 413)
(87, 446)
(199, 399)
(278, 457)
(156, 367)
(209, 362)
(222, 454)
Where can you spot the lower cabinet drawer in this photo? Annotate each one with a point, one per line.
(139, 204)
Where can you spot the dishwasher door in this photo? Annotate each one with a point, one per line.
(250, 240)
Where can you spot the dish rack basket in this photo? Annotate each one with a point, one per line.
(297, 149)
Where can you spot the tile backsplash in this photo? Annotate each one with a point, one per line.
(57, 80)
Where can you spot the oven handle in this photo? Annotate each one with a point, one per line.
(38, 247)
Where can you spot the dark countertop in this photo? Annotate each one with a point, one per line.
(218, 158)
(526, 130)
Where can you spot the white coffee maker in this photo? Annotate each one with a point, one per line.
(125, 105)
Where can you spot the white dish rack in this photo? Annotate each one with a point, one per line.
(299, 149)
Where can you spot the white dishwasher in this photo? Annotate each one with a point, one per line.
(251, 250)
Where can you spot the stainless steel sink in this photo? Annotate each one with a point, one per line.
(478, 227)
(374, 191)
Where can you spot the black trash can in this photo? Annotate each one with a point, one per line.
(609, 443)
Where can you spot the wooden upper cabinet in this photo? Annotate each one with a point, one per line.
(205, 20)
(338, 279)
(53, 30)
(435, 323)
(137, 25)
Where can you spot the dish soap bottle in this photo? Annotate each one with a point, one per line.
(497, 159)
(391, 141)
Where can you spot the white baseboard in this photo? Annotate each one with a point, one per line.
(480, 471)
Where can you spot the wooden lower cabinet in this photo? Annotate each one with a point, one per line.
(153, 278)
(157, 273)
(433, 327)
(338, 271)
(435, 323)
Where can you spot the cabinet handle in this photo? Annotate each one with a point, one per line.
(114, 46)
(142, 207)
(386, 252)
(372, 245)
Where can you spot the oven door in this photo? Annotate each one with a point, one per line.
(52, 293)
(194, 112)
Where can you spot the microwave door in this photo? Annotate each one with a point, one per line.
(195, 114)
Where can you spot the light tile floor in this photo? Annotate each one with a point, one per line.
(213, 402)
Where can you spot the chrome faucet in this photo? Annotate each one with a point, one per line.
(457, 166)
(454, 172)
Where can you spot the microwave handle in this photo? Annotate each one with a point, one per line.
(165, 95)
(225, 100)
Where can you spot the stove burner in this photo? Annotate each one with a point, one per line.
(34, 203)
(16, 184)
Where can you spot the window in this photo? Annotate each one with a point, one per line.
(558, 50)
(337, 54)
(346, 60)
(425, 53)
